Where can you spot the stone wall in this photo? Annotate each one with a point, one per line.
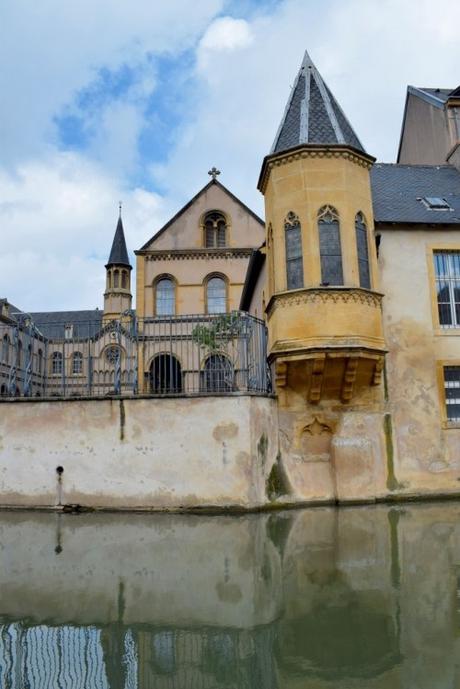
(137, 453)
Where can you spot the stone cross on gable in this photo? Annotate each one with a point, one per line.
(214, 172)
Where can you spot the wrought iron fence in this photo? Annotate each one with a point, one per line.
(197, 355)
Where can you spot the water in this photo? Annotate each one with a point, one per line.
(320, 598)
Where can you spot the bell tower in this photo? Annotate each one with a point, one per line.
(324, 308)
(117, 296)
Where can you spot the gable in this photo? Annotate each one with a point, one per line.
(184, 231)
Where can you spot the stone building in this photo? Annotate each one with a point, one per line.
(354, 279)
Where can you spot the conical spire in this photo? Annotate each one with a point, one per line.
(312, 115)
(119, 252)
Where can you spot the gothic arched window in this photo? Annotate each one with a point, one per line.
(215, 230)
(216, 295)
(165, 297)
(294, 260)
(330, 249)
(362, 247)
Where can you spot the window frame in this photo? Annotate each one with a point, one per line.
(441, 365)
(292, 224)
(360, 218)
(431, 249)
(158, 279)
(206, 282)
(328, 209)
(216, 244)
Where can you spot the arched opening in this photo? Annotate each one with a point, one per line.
(116, 278)
(165, 375)
(294, 260)
(165, 297)
(218, 374)
(215, 230)
(216, 295)
(362, 248)
(330, 249)
(124, 279)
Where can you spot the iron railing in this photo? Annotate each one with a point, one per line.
(197, 355)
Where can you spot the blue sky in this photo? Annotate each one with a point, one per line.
(136, 101)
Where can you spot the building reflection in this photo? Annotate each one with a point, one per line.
(303, 599)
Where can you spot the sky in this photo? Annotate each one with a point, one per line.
(135, 101)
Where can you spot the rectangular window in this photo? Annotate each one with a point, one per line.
(452, 392)
(447, 272)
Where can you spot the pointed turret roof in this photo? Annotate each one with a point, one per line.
(312, 115)
(119, 252)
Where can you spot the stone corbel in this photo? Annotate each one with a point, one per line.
(349, 378)
(378, 370)
(281, 369)
(317, 379)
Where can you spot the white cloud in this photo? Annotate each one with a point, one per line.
(60, 216)
(225, 34)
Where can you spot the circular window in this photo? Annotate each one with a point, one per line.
(112, 354)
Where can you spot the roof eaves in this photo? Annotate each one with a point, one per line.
(427, 97)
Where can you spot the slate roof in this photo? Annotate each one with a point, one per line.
(119, 252)
(312, 115)
(52, 323)
(397, 191)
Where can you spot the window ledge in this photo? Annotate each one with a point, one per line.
(449, 425)
(452, 331)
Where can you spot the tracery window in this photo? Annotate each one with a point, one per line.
(216, 295)
(215, 230)
(77, 363)
(165, 297)
(362, 247)
(447, 274)
(112, 354)
(56, 363)
(330, 249)
(294, 261)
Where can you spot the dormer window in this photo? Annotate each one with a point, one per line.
(68, 331)
(435, 203)
(215, 230)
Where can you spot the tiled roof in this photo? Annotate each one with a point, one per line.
(312, 115)
(397, 191)
(119, 252)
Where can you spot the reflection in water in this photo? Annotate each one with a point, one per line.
(357, 597)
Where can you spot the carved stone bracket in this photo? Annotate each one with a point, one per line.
(378, 370)
(317, 379)
(349, 378)
(281, 369)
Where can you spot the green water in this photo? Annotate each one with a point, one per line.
(320, 598)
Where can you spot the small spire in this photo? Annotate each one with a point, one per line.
(119, 252)
(214, 172)
(120, 204)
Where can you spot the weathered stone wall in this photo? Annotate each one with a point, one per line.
(138, 453)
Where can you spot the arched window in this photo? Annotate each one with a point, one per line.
(5, 349)
(124, 279)
(165, 297)
(330, 249)
(215, 229)
(294, 262)
(165, 375)
(216, 295)
(218, 374)
(116, 278)
(56, 363)
(363, 251)
(77, 363)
